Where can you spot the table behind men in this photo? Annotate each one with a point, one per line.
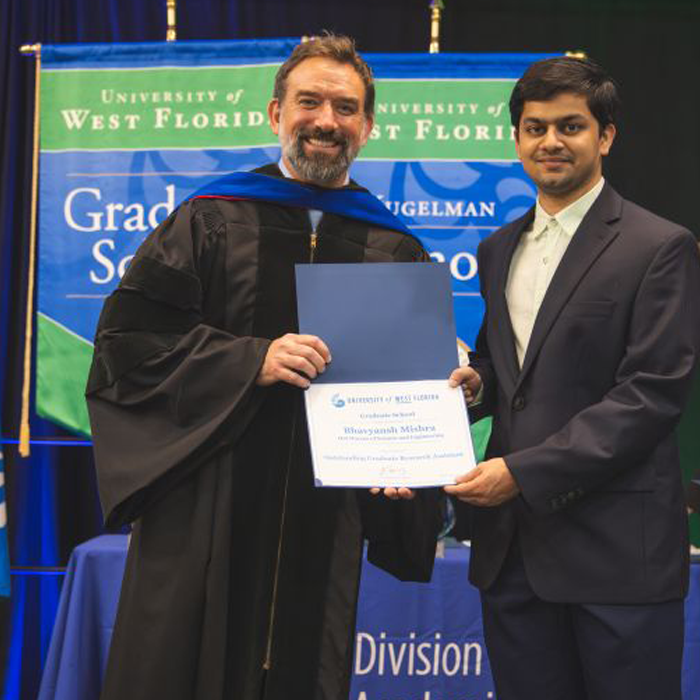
(77, 657)
(81, 637)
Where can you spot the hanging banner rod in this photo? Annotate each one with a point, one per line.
(24, 432)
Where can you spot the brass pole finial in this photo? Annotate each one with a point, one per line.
(171, 7)
(30, 49)
(436, 8)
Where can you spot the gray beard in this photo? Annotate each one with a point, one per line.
(319, 168)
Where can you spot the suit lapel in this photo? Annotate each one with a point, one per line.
(595, 233)
(504, 351)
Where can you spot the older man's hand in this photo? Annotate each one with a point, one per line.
(469, 379)
(294, 359)
(395, 494)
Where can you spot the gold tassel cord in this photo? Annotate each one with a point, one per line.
(24, 432)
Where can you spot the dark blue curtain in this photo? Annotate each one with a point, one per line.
(649, 45)
(51, 496)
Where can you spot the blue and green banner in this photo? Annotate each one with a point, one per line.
(129, 131)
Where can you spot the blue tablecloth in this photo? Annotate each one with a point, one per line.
(82, 632)
(418, 641)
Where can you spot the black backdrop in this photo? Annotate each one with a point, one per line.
(650, 46)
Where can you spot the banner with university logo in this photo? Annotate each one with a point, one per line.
(128, 131)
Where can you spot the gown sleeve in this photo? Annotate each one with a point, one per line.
(402, 535)
(167, 388)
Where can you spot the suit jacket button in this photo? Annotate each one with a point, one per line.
(518, 403)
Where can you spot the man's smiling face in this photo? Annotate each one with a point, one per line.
(321, 122)
(561, 146)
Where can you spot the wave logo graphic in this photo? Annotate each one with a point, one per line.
(337, 400)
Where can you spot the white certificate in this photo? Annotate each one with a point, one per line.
(411, 433)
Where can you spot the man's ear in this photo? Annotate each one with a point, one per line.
(273, 113)
(607, 136)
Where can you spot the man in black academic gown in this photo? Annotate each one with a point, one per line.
(242, 577)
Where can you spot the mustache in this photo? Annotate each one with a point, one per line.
(553, 157)
(328, 136)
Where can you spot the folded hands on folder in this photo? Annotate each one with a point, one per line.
(297, 359)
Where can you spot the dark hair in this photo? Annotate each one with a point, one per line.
(546, 79)
(335, 47)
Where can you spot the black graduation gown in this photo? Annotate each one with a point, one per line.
(242, 577)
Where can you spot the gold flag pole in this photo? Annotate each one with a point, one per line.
(436, 8)
(171, 13)
(24, 431)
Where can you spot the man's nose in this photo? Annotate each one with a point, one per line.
(550, 139)
(325, 117)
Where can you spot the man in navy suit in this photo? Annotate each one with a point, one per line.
(584, 359)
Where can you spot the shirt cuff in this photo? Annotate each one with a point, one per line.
(478, 398)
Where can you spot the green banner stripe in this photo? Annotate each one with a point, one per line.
(63, 362)
(481, 432)
(209, 107)
(226, 107)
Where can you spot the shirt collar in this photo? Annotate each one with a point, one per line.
(569, 218)
(285, 171)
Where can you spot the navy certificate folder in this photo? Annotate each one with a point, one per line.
(383, 322)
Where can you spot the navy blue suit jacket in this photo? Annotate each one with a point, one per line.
(587, 425)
